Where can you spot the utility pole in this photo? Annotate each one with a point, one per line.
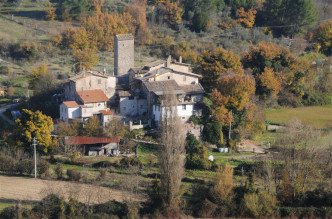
(34, 143)
(230, 127)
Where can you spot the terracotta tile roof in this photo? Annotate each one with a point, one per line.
(71, 104)
(81, 140)
(92, 96)
(106, 112)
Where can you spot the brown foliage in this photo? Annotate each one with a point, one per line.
(213, 64)
(10, 91)
(172, 151)
(86, 58)
(224, 184)
(50, 12)
(97, 32)
(246, 19)
(270, 81)
(171, 12)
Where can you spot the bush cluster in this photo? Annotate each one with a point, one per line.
(127, 162)
(53, 206)
(74, 175)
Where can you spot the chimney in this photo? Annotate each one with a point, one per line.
(180, 59)
(168, 63)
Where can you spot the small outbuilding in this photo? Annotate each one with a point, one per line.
(95, 146)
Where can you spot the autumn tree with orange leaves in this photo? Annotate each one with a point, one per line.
(246, 18)
(171, 12)
(232, 102)
(213, 64)
(278, 71)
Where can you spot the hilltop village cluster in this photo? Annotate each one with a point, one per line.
(132, 94)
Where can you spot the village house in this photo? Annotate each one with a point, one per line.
(90, 80)
(149, 83)
(94, 146)
(87, 104)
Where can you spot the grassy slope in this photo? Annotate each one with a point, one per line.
(316, 116)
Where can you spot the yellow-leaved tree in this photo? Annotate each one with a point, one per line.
(246, 19)
(213, 64)
(30, 125)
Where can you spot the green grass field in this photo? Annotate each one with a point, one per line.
(4, 203)
(315, 116)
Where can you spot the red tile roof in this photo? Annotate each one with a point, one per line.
(92, 96)
(106, 112)
(71, 104)
(81, 140)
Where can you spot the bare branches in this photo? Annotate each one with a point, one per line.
(172, 149)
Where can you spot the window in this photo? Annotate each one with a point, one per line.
(124, 108)
(99, 81)
(141, 106)
(184, 107)
(168, 77)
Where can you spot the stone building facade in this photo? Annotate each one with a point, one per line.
(90, 80)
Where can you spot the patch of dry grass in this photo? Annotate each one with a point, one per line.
(315, 116)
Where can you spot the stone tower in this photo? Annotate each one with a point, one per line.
(123, 53)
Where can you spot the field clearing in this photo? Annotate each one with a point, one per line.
(315, 116)
(23, 188)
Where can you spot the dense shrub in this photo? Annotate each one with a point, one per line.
(24, 50)
(130, 161)
(259, 205)
(43, 167)
(50, 207)
(102, 173)
(4, 70)
(305, 212)
(112, 208)
(59, 170)
(102, 164)
(74, 175)
(25, 166)
(212, 132)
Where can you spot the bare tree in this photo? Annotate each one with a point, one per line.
(172, 149)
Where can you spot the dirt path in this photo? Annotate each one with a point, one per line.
(22, 188)
(248, 145)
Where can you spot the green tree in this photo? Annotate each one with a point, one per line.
(293, 15)
(213, 64)
(212, 132)
(200, 21)
(68, 9)
(197, 154)
(30, 125)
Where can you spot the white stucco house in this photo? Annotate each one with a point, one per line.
(88, 103)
